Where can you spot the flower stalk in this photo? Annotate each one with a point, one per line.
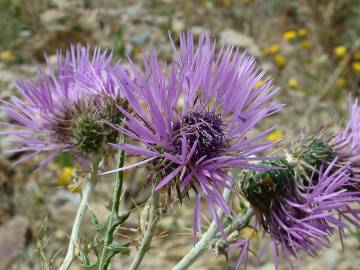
(204, 242)
(154, 218)
(109, 237)
(75, 233)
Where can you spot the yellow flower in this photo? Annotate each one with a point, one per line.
(248, 232)
(65, 177)
(356, 66)
(6, 56)
(306, 44)
(274, 48)
(259, 83)
(340, 51)
(280, 60)
(340, 81)
(289, 35)
(293, 84)
(275, 136)
(302, 32)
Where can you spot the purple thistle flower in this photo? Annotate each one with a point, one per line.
(61, 110)
(192, 118)
(304, 216)
(347, 141)
(347, 147)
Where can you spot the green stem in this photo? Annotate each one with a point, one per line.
(109, 237)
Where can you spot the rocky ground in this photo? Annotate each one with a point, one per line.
(307, 74)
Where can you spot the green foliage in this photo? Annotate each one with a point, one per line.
(15, 16)
(41, 247)
(118, 41)
(356, 234)
(64, 159)
(99, 247)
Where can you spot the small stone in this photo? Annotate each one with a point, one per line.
(60, 235)
(267, 266)
(331, 258)
(197, 30)
(177, 26)
(51, 18)
(13, 240)
(235, 38)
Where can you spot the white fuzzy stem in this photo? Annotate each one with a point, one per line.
(154, 218)
(75, 233)
(204, 242)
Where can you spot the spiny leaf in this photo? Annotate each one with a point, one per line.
(85, 260)
(109, 205)
(94, 220)
(120, 248)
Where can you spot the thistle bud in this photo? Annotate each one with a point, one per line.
(88, 133)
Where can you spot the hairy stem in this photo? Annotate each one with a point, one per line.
(75, 233)
(154, 218)
(109, 237)
(203, 243)
(232, 231)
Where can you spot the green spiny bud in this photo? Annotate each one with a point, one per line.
(262, 188)
(313, 151)
(88, 133)
(114, 116)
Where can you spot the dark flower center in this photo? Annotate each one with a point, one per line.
(205, 128)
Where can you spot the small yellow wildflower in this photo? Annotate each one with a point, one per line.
(275, 136)
(306, 43)
(356, 66)
(248, 232)
(302, 32)
(293, 84)
(274, 48)
(340, 81)
(65, 177)
(289, 35)
(6, 56)
(340, 51)
(259, 83)
(280, 60)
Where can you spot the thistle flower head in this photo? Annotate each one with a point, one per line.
(63, 109)
(347, 141)
(297, 216)
(192, 118)
(301, 203)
